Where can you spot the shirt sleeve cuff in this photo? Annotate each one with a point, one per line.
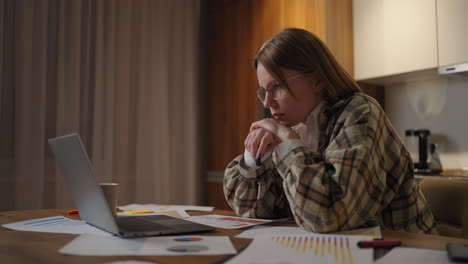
(286, 147)
(250, 165)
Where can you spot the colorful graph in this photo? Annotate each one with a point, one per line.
(188, 239)
(188, 248)
(320, 246)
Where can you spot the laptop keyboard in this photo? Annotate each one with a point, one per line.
(135, 224)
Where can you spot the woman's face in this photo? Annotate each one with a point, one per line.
(286, 109)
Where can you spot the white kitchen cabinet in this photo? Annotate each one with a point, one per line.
(452, 30)
(393, 37)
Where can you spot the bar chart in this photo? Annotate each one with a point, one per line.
(313, 248)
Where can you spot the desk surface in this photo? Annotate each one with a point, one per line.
(34, 247)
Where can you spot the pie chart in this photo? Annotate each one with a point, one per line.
(188, 239)
(190, 249)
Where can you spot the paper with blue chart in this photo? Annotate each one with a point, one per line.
(91, 245)
(56, 224)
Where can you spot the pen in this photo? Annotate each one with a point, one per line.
(379, 243)
(71, 212)
(258, 160)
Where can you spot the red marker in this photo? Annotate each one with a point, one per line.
(379, 243)
(72, 212)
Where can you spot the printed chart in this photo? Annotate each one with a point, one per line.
(320, 246)
(294, 248)
(89, 245)
(188, 248)
(188, 239)
(56, 224)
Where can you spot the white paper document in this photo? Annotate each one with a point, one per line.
(130, 261)
(227, 222)
(400, 255)
(179, 213)
(57, 224)
(162, 208)
(316, 248)
(373, 232)
(90, 245)
(268, 230)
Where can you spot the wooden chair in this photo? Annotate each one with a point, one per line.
(448, 200)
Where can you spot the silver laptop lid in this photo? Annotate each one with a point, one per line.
(78, 172)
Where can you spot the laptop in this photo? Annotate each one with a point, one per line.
(88, 197)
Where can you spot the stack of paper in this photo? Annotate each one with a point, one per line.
(56, 224)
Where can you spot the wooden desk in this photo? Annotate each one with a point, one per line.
(35, 247)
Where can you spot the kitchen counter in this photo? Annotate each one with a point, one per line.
(452, 174)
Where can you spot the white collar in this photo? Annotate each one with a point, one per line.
(312, 118)
(309, 132)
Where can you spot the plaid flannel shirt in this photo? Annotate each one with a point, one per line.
(360, 176)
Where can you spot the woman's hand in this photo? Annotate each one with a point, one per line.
(260, 141)
(282, 132)
(265, 135)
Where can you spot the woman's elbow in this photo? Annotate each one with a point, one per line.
(317, 224)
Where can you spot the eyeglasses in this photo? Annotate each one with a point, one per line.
(274, 89)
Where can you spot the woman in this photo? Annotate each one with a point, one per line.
(329, 157)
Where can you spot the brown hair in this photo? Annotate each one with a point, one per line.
(300, 50)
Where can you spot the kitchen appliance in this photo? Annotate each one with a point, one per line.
(456, 68)
(417, 145)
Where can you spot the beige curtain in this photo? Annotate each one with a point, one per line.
(123, 74)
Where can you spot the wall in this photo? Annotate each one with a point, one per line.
(438, 104)
(235, 31)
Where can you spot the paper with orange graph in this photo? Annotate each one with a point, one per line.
(315, 248)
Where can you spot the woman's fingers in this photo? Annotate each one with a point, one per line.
(278, 130)
(267, 143)
(268, 124)
(247, 140)
(270, 147)
(260, 141)
(252, 141)
(264, 142)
